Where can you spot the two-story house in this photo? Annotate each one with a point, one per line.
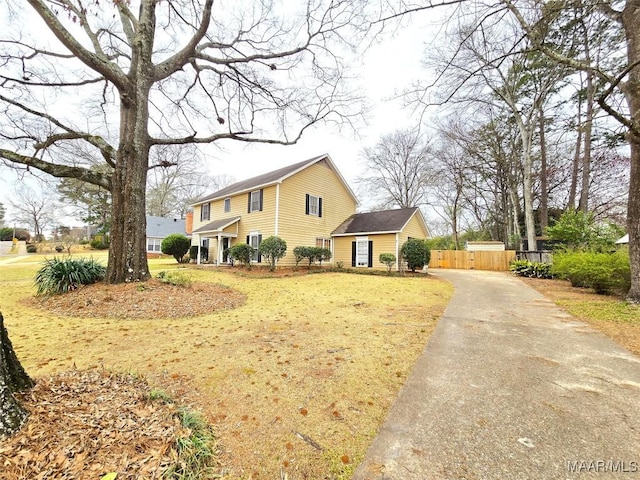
(307, 204)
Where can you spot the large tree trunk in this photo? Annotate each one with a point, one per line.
(13, 379)
(544, 189)
(631, 20)
(127, 249)
(586, 161)
(571, 202)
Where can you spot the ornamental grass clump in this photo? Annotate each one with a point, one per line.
(62, 275)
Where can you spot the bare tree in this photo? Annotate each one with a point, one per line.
(168, 73)
(35, 210)
(398, 169)
(176, 179)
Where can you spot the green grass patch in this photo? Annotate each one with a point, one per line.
(196, 452)
(606, 311)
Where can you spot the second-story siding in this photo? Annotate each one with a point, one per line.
(298, 228)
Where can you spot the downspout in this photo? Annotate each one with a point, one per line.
(277, 208)
(397, 250)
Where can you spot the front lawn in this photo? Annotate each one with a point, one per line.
(297, 379)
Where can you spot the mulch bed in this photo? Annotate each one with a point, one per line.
(147, 300)
(85, 424)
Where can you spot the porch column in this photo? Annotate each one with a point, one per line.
(219, 249)
(199, 242)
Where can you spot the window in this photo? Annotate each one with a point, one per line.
(205, 212)
(323, 243)
(227, 204)
(255, 201)
(254, 239)
(313, 205)
(153, 244)
(362, 252)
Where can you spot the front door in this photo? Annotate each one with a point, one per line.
(225, 249)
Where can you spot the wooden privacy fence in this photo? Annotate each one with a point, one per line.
(497, 261)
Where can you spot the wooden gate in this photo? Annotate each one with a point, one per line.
(462, 259)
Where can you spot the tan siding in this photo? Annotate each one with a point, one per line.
(385, 243)
(297, 228)
(413, 229)
(294, 226)
(342, 250)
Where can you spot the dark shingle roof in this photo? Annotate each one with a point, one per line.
(217, 225)
(161, 227)
(376, 222)
(264, 179)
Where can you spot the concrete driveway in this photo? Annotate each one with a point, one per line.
(511, 387)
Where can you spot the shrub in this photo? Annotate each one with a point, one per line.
(300, 253)
(321, 254)
(193, 253)
(273, 249)
(59, 248)
(177, 279)
(604, 272)
(61, 276)
(525, 268)
(389, 259)
(243, 253)
(177, 245)
(415, 253)
(32, 248)
(100, 242)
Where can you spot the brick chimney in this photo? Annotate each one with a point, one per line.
(189, 223)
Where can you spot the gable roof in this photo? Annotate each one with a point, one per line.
(385, 221)
(161, 227)
(273, 177)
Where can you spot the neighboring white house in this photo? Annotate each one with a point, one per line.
(158, 228)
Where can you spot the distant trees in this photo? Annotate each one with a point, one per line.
(35, 210)
(398, 169)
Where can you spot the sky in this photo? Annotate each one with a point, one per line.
(388, 66)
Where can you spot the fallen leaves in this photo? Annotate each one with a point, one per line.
(151, 299)
(88, 424)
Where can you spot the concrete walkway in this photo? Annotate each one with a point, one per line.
(510, 387)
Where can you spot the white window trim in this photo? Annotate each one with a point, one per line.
(314, 209)
(253, 235)
(255, 205)
(227, 202)
(362, 254)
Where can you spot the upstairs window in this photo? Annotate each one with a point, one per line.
(255, 201)
(227, 204)
(205, 212)
(313, 205)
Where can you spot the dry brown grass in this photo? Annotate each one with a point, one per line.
(298, 379)
(611, 315)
